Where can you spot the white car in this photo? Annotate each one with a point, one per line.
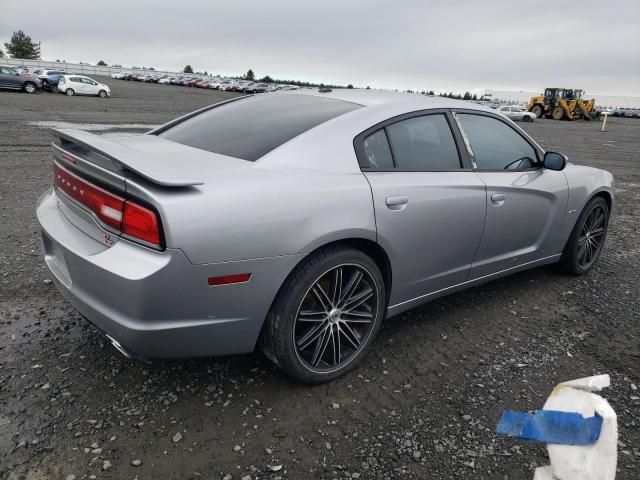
(516, 113)
(165, 81)
(81, 85)
(225, 84)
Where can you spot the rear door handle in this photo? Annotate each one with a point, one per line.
(498, 198)
(397, 202)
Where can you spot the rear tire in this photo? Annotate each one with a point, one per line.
(29, 87)
(587, 238)
(558, 113)
(319, 326)
(69, 92)
(537, 110)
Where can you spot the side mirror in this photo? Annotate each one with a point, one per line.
(555, 161)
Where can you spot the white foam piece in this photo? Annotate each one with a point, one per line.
(583, 462)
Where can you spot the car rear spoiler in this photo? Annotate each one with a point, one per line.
(142, 163)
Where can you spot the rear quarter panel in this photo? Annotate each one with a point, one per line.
(262, 213)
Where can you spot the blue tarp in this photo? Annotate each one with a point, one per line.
(550, 426)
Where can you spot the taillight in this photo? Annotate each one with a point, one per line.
(140, 222)
(107, 206)
(125, 216)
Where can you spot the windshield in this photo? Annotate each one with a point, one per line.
(251, 127)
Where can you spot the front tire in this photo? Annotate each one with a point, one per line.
(558, 113)
(29, 87)
(326, 315)
(102, 94)
(69, 92)
(587, 238)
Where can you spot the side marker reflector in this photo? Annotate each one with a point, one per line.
(229, 279)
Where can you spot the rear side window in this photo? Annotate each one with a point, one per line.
(495, 145)
(424, 143)
(250, 128)
(377, 151)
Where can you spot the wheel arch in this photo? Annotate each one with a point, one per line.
(606, 195)
(369, 247)
(373, 250)
(603, 193)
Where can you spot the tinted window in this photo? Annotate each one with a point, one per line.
(495, 145)
(424, 143)
(251, 127)
(377, 151)
(76, 79)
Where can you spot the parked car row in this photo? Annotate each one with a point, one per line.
(54, 81)
(626, 112)
(213, 83)
(629, 112)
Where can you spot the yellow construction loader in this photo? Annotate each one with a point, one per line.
(563, 104)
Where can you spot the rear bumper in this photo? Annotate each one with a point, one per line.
(158, 304)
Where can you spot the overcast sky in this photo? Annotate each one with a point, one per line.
(446, 45)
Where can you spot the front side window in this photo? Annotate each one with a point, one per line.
(495, 145)
(423, 143)
(9, 71)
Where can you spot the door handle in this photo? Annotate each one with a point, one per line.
(398, 202)
(498, 198)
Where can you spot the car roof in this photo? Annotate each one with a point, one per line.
(336, 135)
(381, 98)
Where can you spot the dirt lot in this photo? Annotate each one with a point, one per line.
(424, 404)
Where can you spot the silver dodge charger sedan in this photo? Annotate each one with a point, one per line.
(299, 220)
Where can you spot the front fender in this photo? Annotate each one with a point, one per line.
(585, 183)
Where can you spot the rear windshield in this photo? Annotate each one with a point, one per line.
(252, 127)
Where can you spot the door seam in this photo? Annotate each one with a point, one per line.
(484, 225)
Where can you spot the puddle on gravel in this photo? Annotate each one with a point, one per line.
(93, 126)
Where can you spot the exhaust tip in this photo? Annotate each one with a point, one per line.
(119, 347)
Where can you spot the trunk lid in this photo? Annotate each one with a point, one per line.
(116, 174)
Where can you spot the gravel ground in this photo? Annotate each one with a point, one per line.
(423, 404)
